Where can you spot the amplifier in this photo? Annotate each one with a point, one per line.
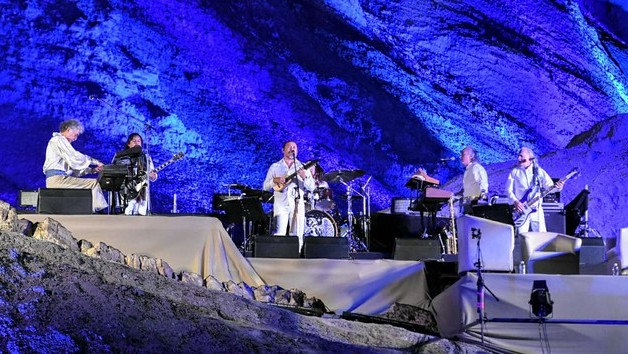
(556, 207)
(400, 205)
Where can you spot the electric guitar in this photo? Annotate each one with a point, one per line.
(520, 217)
(134, 186)
(280, 186)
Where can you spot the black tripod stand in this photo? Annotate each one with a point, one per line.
(477, 234)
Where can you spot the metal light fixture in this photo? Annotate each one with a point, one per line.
(540, 300)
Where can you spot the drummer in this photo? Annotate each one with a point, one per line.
(322, 193)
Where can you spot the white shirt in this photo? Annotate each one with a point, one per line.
(520, 179)
(283, 201)
(60, 155)
(474, 181)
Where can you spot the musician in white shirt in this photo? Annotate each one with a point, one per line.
(475, 179)
(526, 181)
(64, 165)
(289, 196)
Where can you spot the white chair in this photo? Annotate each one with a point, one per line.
(617, 251)
(551, 253)
(496, 240)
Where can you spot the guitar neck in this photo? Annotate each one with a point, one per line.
(544, 194)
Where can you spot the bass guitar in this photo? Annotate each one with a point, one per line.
(280, 186)
(134, 186)
(520, 217)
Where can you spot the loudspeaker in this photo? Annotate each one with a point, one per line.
(413, 249)
(326, 247)
(276, 247)
(592, 256)
(555, 221)
(64, 201)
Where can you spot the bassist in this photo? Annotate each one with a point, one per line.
(525, 182)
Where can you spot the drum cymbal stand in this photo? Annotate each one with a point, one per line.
(366, 213)
(355, 244)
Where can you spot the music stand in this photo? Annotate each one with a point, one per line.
(245, 209)
(111, 179)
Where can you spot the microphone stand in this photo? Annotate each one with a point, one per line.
(147, 128)
(477, 234)
(297, 196)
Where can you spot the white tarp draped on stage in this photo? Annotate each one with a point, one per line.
(367, 287)
(195, 244)
(581, 298)
(201, 245)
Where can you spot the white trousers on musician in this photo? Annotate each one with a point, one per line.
(286, 224)
(98, 199)
(534, 223)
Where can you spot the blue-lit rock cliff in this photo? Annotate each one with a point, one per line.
(383, 86)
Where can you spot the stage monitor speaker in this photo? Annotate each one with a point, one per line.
(555, 221)
(64, 201)
(326, 247)
(276, 247)
(593, 256)
(415, 249)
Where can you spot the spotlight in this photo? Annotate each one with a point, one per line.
(540, 299)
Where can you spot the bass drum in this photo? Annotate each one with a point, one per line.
(320, 224)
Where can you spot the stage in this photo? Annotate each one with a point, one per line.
(588, 311)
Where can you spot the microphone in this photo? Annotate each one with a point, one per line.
(447, 159)
(91, 97)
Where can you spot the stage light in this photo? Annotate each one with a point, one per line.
(540, 299)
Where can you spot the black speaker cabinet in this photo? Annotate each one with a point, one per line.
(408, 249)
(555, 221)
(326, 247)
(64, 201)
(276, 247)
(593, 256)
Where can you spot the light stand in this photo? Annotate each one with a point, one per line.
(477, 234)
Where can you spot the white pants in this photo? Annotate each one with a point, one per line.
(98, 199)
(297, 224)
(535, 222)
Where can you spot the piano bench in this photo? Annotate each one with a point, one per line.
(64, 201)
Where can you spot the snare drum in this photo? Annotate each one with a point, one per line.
(320, 224)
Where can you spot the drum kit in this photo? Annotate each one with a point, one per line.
(323, 217)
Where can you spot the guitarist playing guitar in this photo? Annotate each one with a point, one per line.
(289, 179)
(524, 186)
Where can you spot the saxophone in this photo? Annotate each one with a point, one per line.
(452, 239)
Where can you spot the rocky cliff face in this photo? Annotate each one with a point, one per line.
(383, 86)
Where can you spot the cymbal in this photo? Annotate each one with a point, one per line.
(342, 175)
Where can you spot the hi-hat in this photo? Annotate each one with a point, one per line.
(342, 175)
